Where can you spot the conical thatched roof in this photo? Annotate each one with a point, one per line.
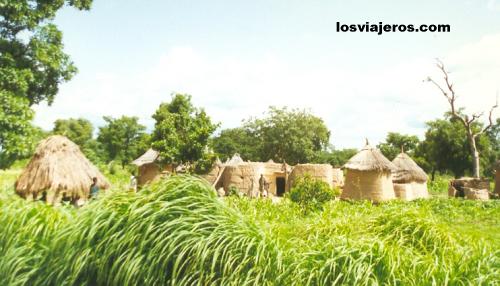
(369, 159)
(59, 168)
(407, 170)
(235, 160)
(149, 157)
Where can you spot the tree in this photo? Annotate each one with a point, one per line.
(395, 142)
(446, 147)
(15, 129)
(32, 65)
(123, 139)
(467, 122)
(235, 140)
(294, 136)
(181, 131)
(336, 158)
(78, 130)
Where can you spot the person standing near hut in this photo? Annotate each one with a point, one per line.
(94, 188)
(262, 185)
(133, 184)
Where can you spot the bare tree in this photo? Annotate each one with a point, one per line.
(467, 121)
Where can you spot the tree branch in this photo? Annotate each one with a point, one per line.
(490, 119)
(450, 97)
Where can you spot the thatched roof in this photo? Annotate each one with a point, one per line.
(407, 170)
(235, 160)
(149, 157)
(369, 159)
(59, 167)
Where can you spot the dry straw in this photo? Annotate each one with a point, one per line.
(407, 170)
(60, 170)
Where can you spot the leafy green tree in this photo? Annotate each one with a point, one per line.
(336, 158)
(394, 142)
(446, 149)
(181, 131)
(235, 140)
(15, 129)
(32, 65)
(123, 139)
(294, 136)
(310, 193)
(78, 130)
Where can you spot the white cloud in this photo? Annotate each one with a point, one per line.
(355, 104)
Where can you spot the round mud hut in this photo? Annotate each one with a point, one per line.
(244, 177)
(323, 172)
(410, 181)
(58, 171)
(368, 176)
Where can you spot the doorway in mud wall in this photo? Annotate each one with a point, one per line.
(280, 186)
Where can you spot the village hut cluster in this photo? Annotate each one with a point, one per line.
(58, 171)
(245, 176)
(369, 176)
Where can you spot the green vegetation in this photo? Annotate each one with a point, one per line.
(178, 232)
(310, 193)
(181, 132)
(32, 65)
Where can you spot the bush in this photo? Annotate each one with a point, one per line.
(311, 193)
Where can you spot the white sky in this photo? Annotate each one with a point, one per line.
(236, 58)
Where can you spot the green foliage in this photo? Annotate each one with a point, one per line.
(123, 139)
(178, 232)
(311, 193)
(78, 130)
(17, 135)
(395, 141)
(32, 65)
(336, 158)
(294, 136)
(439, 186)
(446, 148)
(181, 131)
(236, 140)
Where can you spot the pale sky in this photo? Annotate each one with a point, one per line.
(236, 58)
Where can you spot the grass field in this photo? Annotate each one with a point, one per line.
(178, 232)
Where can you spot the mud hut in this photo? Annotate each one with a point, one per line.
(58, 171)
(148, 168)
(410, 181)
(323, 172)
(368, 176)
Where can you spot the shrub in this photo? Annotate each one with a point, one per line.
(311, 193)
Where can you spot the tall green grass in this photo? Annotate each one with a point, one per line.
(177, 232)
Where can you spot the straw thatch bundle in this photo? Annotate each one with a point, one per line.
(368, 176)
(58, 170)
(410, 181)
(407, 170)
(323, 172)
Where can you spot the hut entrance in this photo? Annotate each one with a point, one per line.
(280, 186)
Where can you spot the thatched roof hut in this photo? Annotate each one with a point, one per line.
(58, 170)
(368, 176)
(410, 181)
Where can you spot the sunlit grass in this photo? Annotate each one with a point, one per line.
(177, 232)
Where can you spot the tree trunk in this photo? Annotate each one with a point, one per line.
(475, 155)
